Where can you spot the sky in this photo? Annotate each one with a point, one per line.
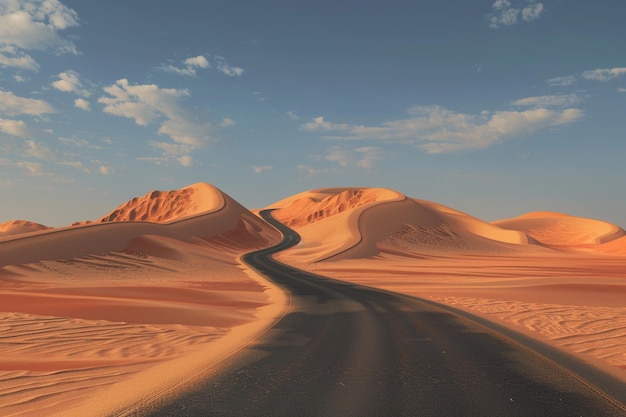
(495, 108)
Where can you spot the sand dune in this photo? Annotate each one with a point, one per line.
(115, 311)
(553, 276)
(16, 227)
(136, 304)
(344, 223)
(559, 229)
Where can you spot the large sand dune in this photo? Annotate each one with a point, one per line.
(556, 277)
(345, 223)
(96, 317)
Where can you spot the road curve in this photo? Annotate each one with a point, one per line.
(349, 350)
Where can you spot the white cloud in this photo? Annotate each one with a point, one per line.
(149, 103)
(261, 168)
(197, 61)
(549, 101)
(604, 74)
(105, 170)
(34, 168)
(562, 81)
(68, 82)
(12, 57)
(20, 79)
(227, 122)
(185, 160)
(225, 68)
(15, 128)
(12, 105)
(363, 157)
(621, 90)
(314, 172)
(33, 25)
(438, 130)
(82, 104)
(37, 150)
(505, 13)
(190, 66)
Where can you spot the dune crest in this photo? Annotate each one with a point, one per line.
(166, 206)
(16, 227)
(557, 229)
(322, 203)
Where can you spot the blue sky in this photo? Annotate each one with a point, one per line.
(495, 108)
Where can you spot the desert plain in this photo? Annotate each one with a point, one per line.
(105, 316)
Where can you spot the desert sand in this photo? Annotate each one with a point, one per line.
(100, 317)
(556, 277)
(106, 316)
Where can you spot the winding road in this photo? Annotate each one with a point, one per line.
(348, 350)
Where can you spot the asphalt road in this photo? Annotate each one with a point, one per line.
(349, 350)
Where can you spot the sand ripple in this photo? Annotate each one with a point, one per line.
(51, 363)
(598, 331)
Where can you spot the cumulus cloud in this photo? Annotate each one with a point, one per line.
(12, 57)
(505, 13)
(261, 168)
(68, 82)
(149, 103)
(12, 105)
(15, 128)
(604, 74)
(33, 25)
(191, 65)
(82, 104)
(621, 90)
(439, 130)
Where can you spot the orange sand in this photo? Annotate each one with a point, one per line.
(553, 276)
(98, 319)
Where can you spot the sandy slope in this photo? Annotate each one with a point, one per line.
(553, 276)
(114, 312)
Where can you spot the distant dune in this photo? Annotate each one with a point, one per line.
(562, 229)
(16, 227)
